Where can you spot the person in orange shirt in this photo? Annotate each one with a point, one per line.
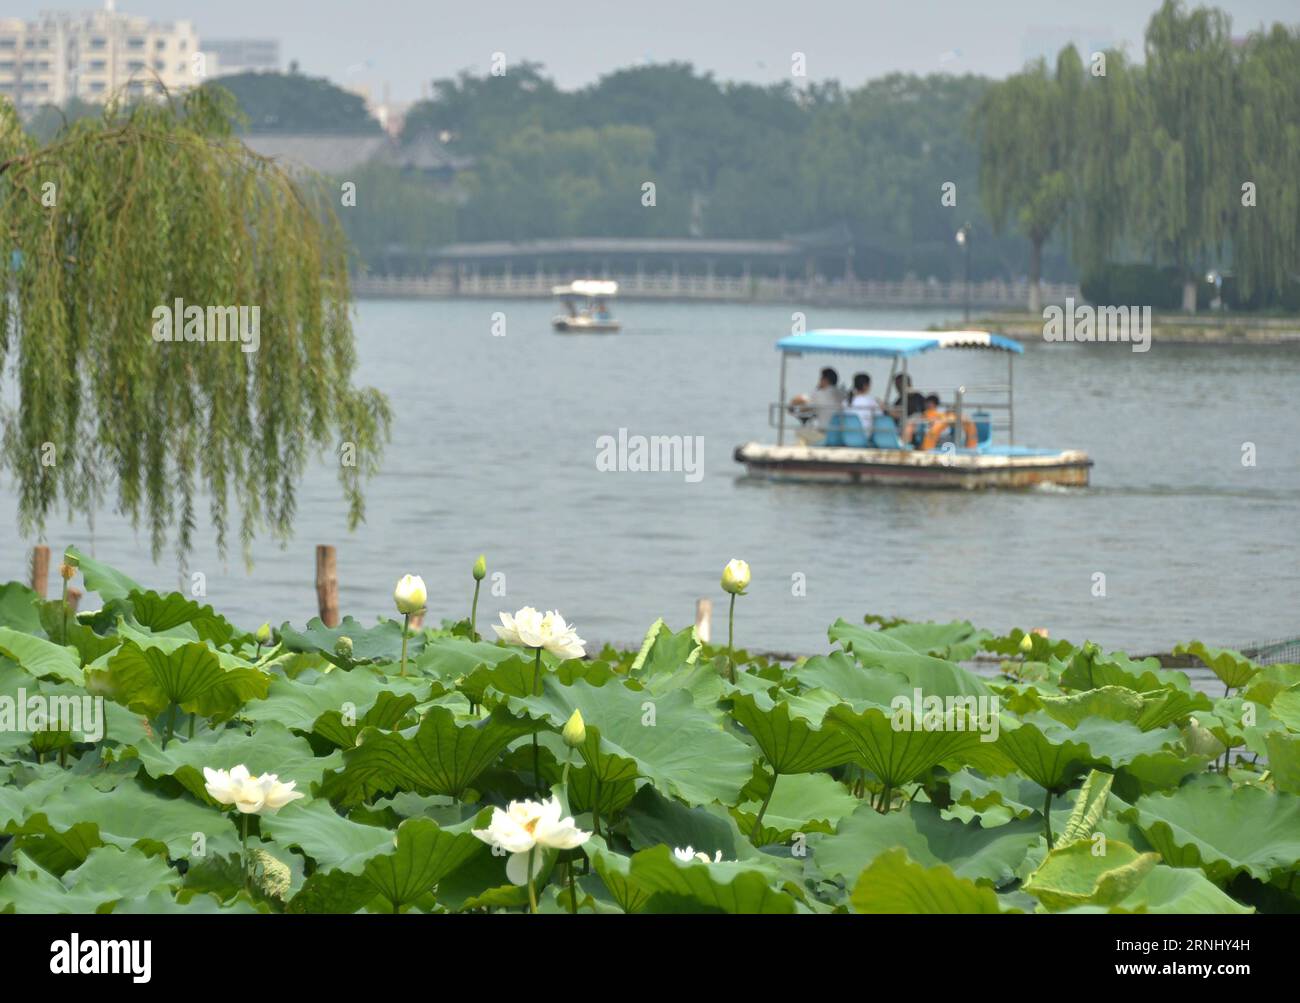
(937, 423)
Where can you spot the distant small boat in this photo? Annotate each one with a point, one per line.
(586, 307)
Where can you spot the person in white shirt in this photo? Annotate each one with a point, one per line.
(862, 404)
(816, 409)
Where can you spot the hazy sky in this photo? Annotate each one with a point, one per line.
(406, 43)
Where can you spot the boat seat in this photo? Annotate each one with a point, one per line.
(983, 427)
(884, 433)
(846, 430)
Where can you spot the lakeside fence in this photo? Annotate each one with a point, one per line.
(993, 294)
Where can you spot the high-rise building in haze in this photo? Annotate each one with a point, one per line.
(92, 55)
(227, 56)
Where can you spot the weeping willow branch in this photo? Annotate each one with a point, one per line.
(124, 215)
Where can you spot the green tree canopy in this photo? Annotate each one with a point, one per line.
(292, 102)
(109, 225)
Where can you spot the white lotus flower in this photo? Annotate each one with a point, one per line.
(688, 854)
(251, 795)
(532, 629)
(410, 594)
(525, 825)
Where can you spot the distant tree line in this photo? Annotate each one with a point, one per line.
(1184, 165)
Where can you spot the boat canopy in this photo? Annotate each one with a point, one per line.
(892, 344)
(587, 287)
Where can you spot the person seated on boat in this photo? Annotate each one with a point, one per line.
(915, 400)
(814, 410)
(936, 424)
(862, 404)
(915, 429)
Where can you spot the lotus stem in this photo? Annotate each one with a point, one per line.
(243, 842)
(886, 796)
(731, 638)
(1047, 817)
(532, 892)
(473, 613)
(537, 691)
(171, 724)
(406, 623)
(758, 822)
(573, 894)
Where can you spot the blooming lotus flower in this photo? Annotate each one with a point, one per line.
(251, 795)
(531, 629)
(688, 854)
(735, 577)
(410, 594)
(526, 825)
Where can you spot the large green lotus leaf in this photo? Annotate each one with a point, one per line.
(451, 657)
(956, 641)
(190, 676)
(676, 745)
(933, 676)
(299, 703)
(1207, 823)
(898, 756)
(844, 679)
(1117, 669)
(335, 893)
(994, 799)
(1286, 708)
(128, 815)
(1271, 680)
(107, 876)
(379, 643)
(700, 679)
(108, 582)
(424, 855)
(1284, 760)
(803, 802)
(603, 780)
(973, 852)
(1075, 874)
(387, 714)
(1051, 753)
(1179, 891)
(894, 885)
(1232, 667)
(16, 803)
(1147, 711)
(653, 818)
(694, 887)
(40, 657)
(440, 757)
(615, 871)
(163, 613)
(330, 840)
(18, 609)
(789, 744)
(1157, 771)
(272, 749)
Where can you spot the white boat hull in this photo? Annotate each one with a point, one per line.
(962, 469)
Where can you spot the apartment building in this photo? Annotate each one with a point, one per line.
(93, 55)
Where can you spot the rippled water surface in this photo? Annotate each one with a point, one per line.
(495, 450)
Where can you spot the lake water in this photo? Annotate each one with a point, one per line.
(495, 446)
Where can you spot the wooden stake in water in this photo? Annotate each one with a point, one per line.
(40, 569)
(703, 619)
(327, 585)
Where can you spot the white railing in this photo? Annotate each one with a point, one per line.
(905, 292)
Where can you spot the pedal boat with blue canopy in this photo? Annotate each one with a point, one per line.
(966, 456)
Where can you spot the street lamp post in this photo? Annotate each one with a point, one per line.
(963, 241)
